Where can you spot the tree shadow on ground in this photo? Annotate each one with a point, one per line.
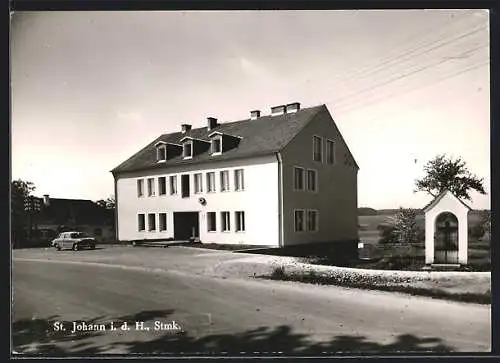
(37, 337)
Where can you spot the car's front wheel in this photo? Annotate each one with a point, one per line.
(75, 247)
(57, 247)
(92, 246)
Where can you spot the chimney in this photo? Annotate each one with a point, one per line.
(46, 200)
(278, 110)
(292, 107)
(211, 123)
(254, 114)
(185, 128)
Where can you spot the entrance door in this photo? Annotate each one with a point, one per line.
(446, 238)
(186, 225)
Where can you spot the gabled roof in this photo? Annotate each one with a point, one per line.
(262, 136)
(72, 211)
(436, 200)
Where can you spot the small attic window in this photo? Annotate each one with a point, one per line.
(216, 145)
(187, 150)
(161, 153)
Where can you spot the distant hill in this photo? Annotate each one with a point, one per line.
(367, 211)
(364, 211)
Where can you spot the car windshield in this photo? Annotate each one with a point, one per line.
(78, 235)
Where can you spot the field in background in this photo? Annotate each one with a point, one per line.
(479, 250)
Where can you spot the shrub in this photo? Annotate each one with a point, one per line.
(477, 231)
(387, 234)
(278, 272)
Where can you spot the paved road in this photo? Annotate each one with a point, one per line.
(223, 315)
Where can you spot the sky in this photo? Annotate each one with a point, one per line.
(89, 89)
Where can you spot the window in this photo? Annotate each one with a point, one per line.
(140, 187)
(239, 181)
(185, 190)
(330, 152)
(162, 185)
(163, 221)
(141, 222)
(198, 184)
(312, 180)
(224, 181)
(225, 221)
(211, 182)
(151, 222)
(299, 221)
(298, 178)
(217, 145)
(188, 150)
(161, 153)
(211, 222)
(312, 220)
(173, 184)
(317, 148)
(240, 221)
(151, 187)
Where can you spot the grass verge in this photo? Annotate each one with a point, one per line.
(312, 277)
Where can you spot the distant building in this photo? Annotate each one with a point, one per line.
(58, 215)
(277, 180)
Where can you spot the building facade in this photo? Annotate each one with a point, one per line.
(284, 179)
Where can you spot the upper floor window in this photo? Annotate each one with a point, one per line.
(162, 185)
(187, 150)
(140, 187)
(312, 180)
(298, 178)
(239, 180)
(151, 187)
(211, 182)
(317, 148)
(224, 181)
(198, 186)
(161, 153)
(173, 184)
(330, 152)
(216, 145)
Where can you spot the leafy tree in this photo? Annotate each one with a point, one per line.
(447, 173)
(20, 190)
(107, 206)
(405, 226)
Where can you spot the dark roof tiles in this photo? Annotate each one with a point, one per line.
(262, 136)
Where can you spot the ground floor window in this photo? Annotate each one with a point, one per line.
(211, 222)
(141, 222)
(312, 220)
(299, 220)
(163, 221)
(240, 221)
(151, 222)
(225, 221)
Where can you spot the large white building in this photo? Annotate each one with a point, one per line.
(283, 179)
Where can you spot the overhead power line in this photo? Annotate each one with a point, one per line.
(369, 69)
(414, 89)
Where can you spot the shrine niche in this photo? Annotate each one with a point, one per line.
(446, 233)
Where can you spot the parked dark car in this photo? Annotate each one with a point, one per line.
(74, 240)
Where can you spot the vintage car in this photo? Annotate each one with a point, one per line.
(74, 241)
